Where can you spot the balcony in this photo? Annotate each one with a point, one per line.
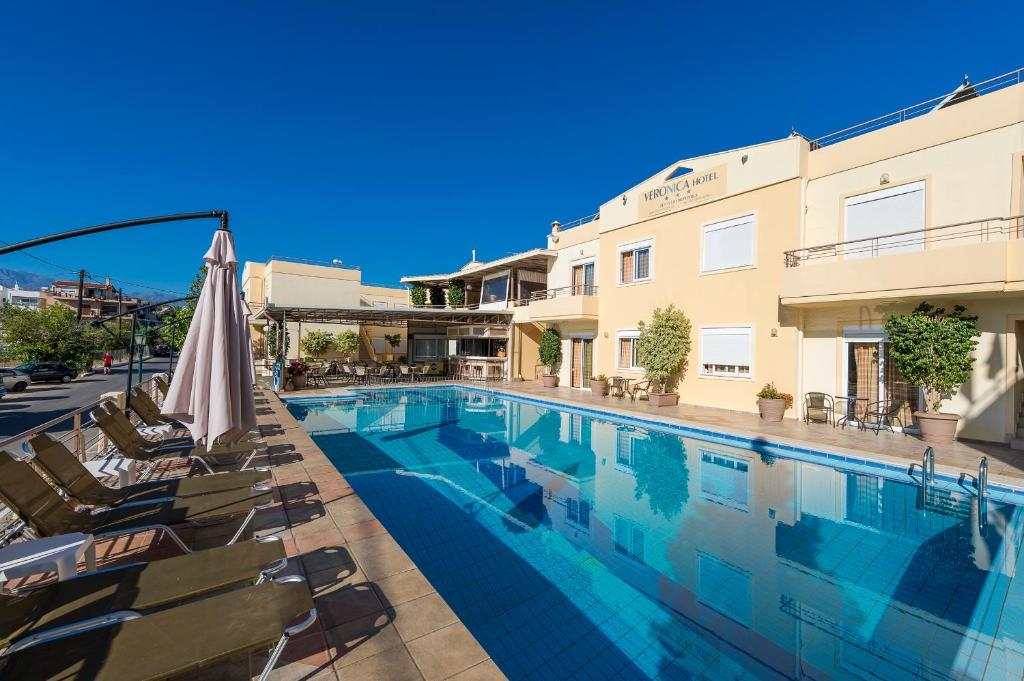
(569, 303)
(978, 257)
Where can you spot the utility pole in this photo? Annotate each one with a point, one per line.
(81, 286)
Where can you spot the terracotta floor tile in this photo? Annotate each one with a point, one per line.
(381, 565)
(421, 616)
(484, 671)
(361, 638)
(403, 587)
(446, 652)
(347, 604)
(362, 530)
(393, 664)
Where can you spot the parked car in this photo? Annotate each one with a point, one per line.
(14, 380)
(43, 372)
(162, 351)
(3, 390)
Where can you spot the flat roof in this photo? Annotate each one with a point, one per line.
(383, 316)
(536, 259)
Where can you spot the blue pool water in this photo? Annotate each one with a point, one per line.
(579, 546)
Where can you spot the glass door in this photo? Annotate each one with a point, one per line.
(583, 279)
(870, 378)
(582, 362)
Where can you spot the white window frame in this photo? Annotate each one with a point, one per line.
(635, 246)
(498, 304)
(427, 336)
(581, 262)
(630, 333)
(725, 224)
(749, 328)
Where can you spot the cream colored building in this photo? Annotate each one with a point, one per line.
(290, 282)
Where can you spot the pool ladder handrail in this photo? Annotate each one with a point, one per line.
(928, 465)
(983, 478)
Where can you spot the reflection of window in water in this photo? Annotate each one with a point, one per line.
(725, 588)
(625, 449)
(629, 539)
(725, 479)
(580, 428)
(578, 512)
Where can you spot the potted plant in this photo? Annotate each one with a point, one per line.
(456, 293)
(934, 350)
(318, 343)
(393, 340)
(550, 355)
(297, 372)
(662, 349)
(599, 385)
(772, 403)
(346, 344)
(418, 295)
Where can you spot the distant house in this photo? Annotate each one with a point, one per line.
(98, 300)
(19, 297)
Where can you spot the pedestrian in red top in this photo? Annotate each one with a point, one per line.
(107, 359)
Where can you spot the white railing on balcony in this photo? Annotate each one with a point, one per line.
(549, 294)
(943, 236)
(990, 85)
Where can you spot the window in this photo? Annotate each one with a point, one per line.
(728, 244)
(627, 357)
(725, 352)
(578, 512)
(635, 263)
(494, 289)
(887, 211)
(428, 347)
(724, 588)
(724, 479)
(629, 539)
(625, 452)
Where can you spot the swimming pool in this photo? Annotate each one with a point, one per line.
(576, 545)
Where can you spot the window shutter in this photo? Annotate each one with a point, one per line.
(729, 244)
(729, 347)
(888, 211)
(626, 352)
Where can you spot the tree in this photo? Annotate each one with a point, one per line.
(436, 296)
(317, 343)
(418, 295)
(457, 293)
(347, 343)
(49, 334)
(550, 349)
(933, 349)
(659, 464)
(179, 318)
(394, 340)
(662, 348)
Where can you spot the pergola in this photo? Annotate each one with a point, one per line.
(382, 316)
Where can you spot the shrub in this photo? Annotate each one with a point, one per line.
(600, 378)
(418, 295)
(436, 296)
(456, 293)
(347, 343)
(318, 343)
(662, 348)
(550, 349)
(770, 392)
(49, 334)
(933, 349)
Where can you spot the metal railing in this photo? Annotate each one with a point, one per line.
(905, 114)
(551, 293)
(975, 231)
(579, 221)
(320, 263)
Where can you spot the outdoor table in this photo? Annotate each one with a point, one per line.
(58, 554)
(126, 470)
(623, 386)
(851, 414)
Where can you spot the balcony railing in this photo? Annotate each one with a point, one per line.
(990, 85)
(975, 231)
(551, 293)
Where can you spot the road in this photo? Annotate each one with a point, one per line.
(42, 402)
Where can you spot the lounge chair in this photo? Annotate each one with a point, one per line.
(46, 513)
(143, 405)
(63, 468)
(162, 385)
(133, 445)
(175, 642)
(49, 609)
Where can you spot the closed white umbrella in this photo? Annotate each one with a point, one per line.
(211, 392)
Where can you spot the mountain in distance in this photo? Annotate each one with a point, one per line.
(26, 280)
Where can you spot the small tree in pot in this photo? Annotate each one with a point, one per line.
(599, 385)
(662, 349)
(347, 344)
(456, 293)
(772, 403)
(550, 355)
(318, 343)
(418, 295)
(934, 350)
(393, 340)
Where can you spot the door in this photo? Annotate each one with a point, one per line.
(582, 362)
(583, 279)
(870, 377)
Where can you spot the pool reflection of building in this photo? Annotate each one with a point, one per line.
(773, 567)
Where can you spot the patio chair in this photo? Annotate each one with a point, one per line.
(64, 468)
(883, 414)
(47, 514)
(316, 377)
(641, 388)
(175, 642)
(361, 375)
(819, 408)
(53, 608)
(404, 372)
(616, 386)
(162, 385)
(143, 405)
(132, 445)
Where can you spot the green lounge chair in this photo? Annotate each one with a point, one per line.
(132, 445)
(48, 610)
(46, 513)
(63, 468)
(175, 642)
(143, 405)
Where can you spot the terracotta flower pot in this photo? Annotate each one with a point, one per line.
(938, 429)
(599, 388)
(299, 381)
(771, 410)
(550, 380)
(663, 399)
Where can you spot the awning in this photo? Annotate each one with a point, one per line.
(383, 316)
(536, 259)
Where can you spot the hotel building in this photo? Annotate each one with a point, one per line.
(788, 257)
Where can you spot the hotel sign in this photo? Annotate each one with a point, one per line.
(682, 191)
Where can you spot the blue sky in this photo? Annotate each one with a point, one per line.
(396, 136)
